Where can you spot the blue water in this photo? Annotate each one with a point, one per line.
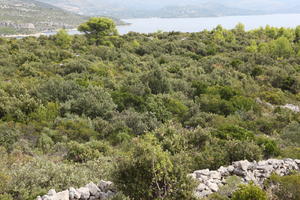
(199, 24)
(150, 25)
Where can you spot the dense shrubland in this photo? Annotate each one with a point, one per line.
(144, 110)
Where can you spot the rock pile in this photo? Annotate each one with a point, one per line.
(211, 181)
(104, 190)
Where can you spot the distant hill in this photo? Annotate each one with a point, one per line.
(29, 16)
(176, 8)
(205, 10)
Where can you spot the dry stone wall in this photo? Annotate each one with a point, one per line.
(211, 180)
(104, 190)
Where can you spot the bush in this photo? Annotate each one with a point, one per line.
(234, 132)
(232, 184)
(94, 102)
(241, 150)
(81, 153)
(291, 133)
(249, 192)
(285, 187)
(149, 174)
(291, 152)
(9, 134)
(213, 157)
(158, 82)
(6, 197)
(37, 176)
(243, 103)
(276, 98)
(269, 146)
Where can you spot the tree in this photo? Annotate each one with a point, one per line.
(63, 39)
(98, 28)
(282, 48)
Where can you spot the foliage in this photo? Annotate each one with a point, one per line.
(97, 28)
(149, 173)
(249, 192)
(155, 106)
(287, 187)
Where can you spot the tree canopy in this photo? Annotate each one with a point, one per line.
(97, 28)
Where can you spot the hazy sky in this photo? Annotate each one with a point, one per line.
(247, 4)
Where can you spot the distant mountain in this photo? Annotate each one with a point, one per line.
(176, 8)
(30, 16)
(208, 10)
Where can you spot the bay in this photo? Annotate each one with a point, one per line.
(150, 25)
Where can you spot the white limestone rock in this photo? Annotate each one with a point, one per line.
(204, 172)
(39, 198)
(46, 197)
(243, 165)
(51, 192)
(230, 168)
(104, 186)
(64, 195)
(215, 175)
(223, 171)
(213, 186)
(74, 194)
(94, 190)
(84, 193)
(201, 187)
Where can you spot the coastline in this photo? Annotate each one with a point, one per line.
(38, 34)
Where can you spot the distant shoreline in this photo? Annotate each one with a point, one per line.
(151, 25)
(45, 33)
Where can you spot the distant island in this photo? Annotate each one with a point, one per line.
(30, 17)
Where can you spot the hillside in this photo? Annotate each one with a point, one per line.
(176, 8)
(146, 110)
(29, 16)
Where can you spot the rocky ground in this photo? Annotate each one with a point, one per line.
(209, 180)
(104, 190)
(256, 172)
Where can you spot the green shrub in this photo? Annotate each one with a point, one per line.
(232, 184)
(6, 197)
(37, 176)
(241, 150)
(94, 102)
(249, 192)
(269, 146)
(158, 82)
(81, 152)
(9, 134)
(285, 187)
(234, 132)
(291, 152)
(120, 196)
(212, 157)
(45, 143)
(149, 174)
(291, 133)
(275, 97)
(243, 103)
